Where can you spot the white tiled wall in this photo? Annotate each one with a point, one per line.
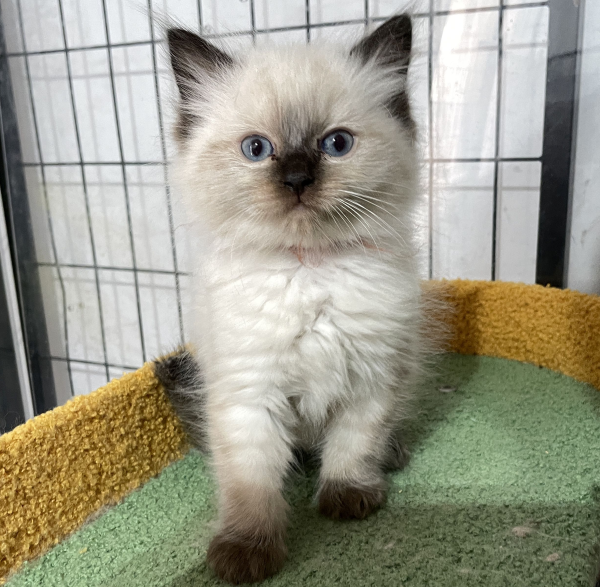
(464, 85)
(525, 40)
(516, 232)
(127, 205)
(462, 219)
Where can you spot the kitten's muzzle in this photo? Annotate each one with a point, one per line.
(298, 181)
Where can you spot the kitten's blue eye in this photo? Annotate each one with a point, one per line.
(337, 143)
(256, 148)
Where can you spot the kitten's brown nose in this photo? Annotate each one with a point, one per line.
(297, 181)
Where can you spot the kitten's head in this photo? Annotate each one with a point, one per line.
(297, 146)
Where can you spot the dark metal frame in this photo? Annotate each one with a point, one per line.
(556, 162)
(559, 142)
(14, 194)
(12, 412)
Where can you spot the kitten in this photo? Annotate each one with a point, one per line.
(308, 312)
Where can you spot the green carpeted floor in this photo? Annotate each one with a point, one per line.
(502, 489)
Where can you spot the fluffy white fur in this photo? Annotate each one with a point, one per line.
(307, 323)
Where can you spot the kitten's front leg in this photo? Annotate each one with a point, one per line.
(352, 484)
(251, 454)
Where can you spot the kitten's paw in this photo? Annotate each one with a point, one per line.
(237, 559)
(344, 502)
(398, 455)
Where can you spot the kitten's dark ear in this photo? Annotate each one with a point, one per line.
(390, 46)
(192, 59)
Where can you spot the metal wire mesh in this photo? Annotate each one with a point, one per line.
(89, 269)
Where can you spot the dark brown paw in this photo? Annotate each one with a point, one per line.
(245, 560)
(345, 502)
(398, 455)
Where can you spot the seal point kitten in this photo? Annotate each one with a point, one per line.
(307, 314)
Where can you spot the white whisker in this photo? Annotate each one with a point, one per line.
(382, 223)
(368, 200)
(369, 197)
(352, 228)
(334, 246)
(336, 223)
(390, 183)
(364, 223)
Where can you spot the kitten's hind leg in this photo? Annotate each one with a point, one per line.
(182, 381)
(352, 483)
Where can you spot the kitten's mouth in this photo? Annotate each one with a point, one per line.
(302, 213)
(301, 207)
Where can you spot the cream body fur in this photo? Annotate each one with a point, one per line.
(306, 310)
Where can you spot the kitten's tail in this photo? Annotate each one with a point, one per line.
(182, 381)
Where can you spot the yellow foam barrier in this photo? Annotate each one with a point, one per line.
(62, 466)
(553, 328)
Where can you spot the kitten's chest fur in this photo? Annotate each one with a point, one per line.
(319, 331)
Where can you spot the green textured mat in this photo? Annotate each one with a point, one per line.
(502, 489)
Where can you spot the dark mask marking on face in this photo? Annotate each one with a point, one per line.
(296, 170)
(298, 163)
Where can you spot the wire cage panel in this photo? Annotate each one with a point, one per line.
(94, 103)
